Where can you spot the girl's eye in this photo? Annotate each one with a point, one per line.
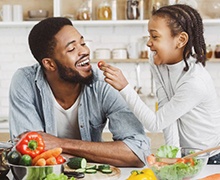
(83, 44)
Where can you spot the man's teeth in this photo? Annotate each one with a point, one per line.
(83, 63)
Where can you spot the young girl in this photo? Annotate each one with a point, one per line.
(189, 112)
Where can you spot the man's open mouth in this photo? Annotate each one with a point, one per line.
(83, 63)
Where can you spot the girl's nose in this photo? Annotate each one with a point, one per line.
(149, 43)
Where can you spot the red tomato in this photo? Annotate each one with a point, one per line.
(100, 63)
(60, 159)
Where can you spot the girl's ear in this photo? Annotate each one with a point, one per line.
(182, 40)
(49, 64)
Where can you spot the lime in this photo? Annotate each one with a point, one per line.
(25, 160)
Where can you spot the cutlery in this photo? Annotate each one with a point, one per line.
(202, 152)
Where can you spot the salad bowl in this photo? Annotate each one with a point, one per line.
(168, 162)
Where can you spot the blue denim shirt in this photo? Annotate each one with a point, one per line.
(31, 108)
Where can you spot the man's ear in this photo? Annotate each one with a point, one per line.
(49, 64)
(182, 40)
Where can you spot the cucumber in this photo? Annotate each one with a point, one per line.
(106, 171)
(91, 171)
(77, 162)
(103, 166)
(91, 167)
(82, 170)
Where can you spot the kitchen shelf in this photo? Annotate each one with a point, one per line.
(96, 23)
(100, 23)
(214, 60)
(211, 22)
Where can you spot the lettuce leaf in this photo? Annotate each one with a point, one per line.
(54, 176)
(167, 151)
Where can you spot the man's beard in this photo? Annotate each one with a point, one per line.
(72, 76)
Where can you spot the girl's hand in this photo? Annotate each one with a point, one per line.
(113, 75)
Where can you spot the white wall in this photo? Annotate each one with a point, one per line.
(14, 53)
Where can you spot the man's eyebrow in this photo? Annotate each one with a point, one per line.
(72, 41)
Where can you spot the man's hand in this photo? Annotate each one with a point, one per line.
(50, 140)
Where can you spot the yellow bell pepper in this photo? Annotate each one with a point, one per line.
(144, 174)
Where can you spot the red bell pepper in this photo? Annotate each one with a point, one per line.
(31, 143)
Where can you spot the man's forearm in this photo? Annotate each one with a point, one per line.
(115, 153)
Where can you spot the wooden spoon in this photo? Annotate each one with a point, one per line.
(174, 160)
(201, 152)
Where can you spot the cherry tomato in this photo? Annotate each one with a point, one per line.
(60, 159)
(100, 63)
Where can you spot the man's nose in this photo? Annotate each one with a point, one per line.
(83, 50)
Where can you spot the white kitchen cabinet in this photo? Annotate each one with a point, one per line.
(58, 8)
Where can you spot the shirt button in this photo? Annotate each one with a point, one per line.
(81, 126)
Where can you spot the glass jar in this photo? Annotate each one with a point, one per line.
(217, 51)
(84, 12)
(209, 51)
(104, 11)
(143, 48)
(156, 4)
(132, 9)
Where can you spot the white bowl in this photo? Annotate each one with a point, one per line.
(40, 13)
(176, 168)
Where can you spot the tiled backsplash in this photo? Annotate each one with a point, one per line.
(14, 53)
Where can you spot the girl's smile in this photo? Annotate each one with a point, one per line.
(162, 43)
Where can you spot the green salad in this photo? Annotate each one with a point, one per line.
(54, 176)
(183, 168)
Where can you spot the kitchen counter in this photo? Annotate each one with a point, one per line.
(125, 172)
(208, 170)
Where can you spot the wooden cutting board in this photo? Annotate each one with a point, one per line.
(116, 173)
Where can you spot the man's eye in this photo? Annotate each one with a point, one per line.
(70, 50)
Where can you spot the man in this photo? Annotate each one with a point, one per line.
(65, 100)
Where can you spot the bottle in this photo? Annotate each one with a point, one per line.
(132, 9)
(84, 12)
(141, 8)
(217, 51)
(90, 7)
(104, 11)
(143, 48)
(209, 51)
(156, 106)
(114, 9)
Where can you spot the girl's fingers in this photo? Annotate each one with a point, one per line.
(109, 75)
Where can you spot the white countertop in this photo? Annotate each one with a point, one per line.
(125, 172)
(208, 170)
